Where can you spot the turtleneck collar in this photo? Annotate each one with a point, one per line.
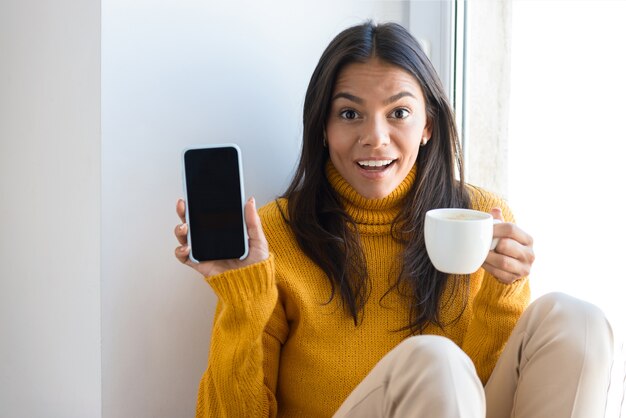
(369, 211)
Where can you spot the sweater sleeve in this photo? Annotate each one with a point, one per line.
(496, 307)
(248, 331)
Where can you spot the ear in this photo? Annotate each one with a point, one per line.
(428, 129)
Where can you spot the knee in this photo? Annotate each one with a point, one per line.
(437, 363)
(569, 309)
(431, 349)
(573, 319)
(429, 343)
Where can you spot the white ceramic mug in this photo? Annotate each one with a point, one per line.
(458, 240)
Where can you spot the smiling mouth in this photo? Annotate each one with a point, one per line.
(375, 165)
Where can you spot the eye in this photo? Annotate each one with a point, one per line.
(349, 114)
(400, 113)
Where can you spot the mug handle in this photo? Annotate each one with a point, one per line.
(495, 241)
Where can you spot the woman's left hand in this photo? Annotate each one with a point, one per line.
(513, 256)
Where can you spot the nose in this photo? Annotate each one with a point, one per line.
(375, 133)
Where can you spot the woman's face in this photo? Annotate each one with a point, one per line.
(376, 123)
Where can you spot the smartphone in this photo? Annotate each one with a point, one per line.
(213, 186)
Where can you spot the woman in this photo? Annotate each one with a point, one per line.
(338, 310)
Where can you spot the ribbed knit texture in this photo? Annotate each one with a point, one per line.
(280, 348)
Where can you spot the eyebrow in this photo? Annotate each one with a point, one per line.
(398, 96)
(348, 96)
(358, 100)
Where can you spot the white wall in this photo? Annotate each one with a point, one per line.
(50, 209)
(177, 73)
(431, 21)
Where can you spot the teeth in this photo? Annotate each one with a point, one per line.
(375, 163)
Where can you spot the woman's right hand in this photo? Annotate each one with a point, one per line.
(257, 244)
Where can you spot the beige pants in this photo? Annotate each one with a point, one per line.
(556, 364)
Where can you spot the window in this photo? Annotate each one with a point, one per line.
(546, 89)
(567, 143)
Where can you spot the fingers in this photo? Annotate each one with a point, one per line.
(258, 248)
(509, 261)
(501, 275)
(497, 214)
(257, 241)
(181, 233)
(512, 249)
(180, 210)
(255, 230)
(509, 230)
(512, 231)
(513, 256)
(519, 264)
(182, 253)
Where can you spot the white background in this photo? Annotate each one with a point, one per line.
(566, 156)
(568, 144)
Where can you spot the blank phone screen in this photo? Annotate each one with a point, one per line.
(214, 203)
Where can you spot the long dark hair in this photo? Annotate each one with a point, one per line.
(324, 231)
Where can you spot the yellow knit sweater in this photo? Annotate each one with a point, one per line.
(278, 349)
